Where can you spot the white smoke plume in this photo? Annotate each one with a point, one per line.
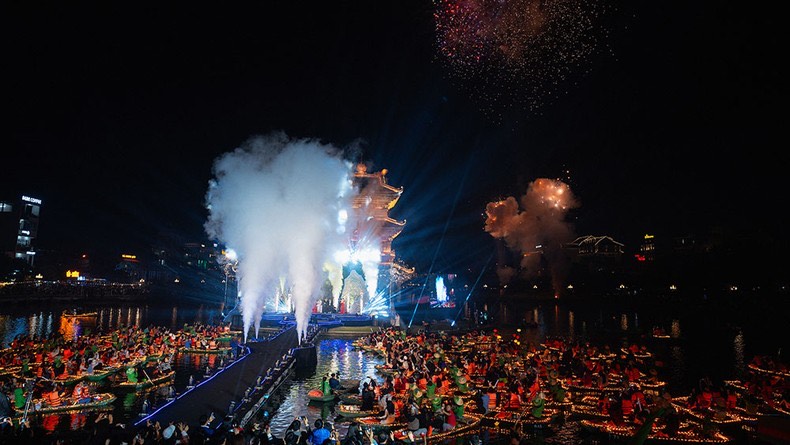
(275, 201)
(535, 229)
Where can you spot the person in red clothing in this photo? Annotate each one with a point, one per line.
(627, 407)
(632, 373)
(449, 417)
(731, 399)
(705, 398)
(603, 404)
(514, 399)
(638, 397)
(81, 393)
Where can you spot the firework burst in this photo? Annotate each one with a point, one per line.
(518, 53)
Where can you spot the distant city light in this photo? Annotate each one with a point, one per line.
(31, 200)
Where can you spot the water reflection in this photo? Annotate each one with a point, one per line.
(677, 367)
(738, 347)
(334, 355)
(674, 331)
(46, 322)
(571, 323)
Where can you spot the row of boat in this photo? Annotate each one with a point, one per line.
(691, 424)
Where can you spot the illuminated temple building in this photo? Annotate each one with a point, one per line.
(374, 232)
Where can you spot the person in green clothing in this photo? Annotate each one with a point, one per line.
(559, 393)
(463, 385)
(19, 397)
(537, 405)
(430, 389)
(458, 407)
(26, 367)
(418, 396)
(436, 404)
(325, 388)
(131, 374)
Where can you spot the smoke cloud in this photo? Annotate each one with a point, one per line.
(535, 230)
(275, 201)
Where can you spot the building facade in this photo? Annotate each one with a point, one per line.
(19, 221)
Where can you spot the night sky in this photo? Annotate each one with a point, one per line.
(114, 116)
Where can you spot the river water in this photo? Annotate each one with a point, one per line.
(707, 341)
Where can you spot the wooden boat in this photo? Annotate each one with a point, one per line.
(562, 406)
(771, 372)
(9, 370)
(375, 350)
(575, 388)
(147, 383)
(689, 433)
(353, 411)
(375, 424)
(502, 420)
(316, 395)
(590, 412)
(99, 401)
(386, 370)
(465, 427)
(640, 354)
(654, 386)
(101, 374)
(219, 350)
(718, 418)
(80, 316)
(70, 379)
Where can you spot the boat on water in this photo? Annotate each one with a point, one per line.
(70, 379)
(588, 411)
(464, 428)
(98, 401)
(688, 433)
(386, 370)
(353, 411)
(375, 424)
(219, 350)
(9, 370)
(146, 382)
(101, 374)
(316, 395)
(767, 371)
(503, 420)
(79, 315)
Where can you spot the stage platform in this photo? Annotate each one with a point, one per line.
(215, 395)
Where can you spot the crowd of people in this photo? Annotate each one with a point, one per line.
(61, 370)
(431, 384)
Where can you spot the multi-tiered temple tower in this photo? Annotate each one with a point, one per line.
(374, 230)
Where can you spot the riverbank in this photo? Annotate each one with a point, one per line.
(72, 292)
